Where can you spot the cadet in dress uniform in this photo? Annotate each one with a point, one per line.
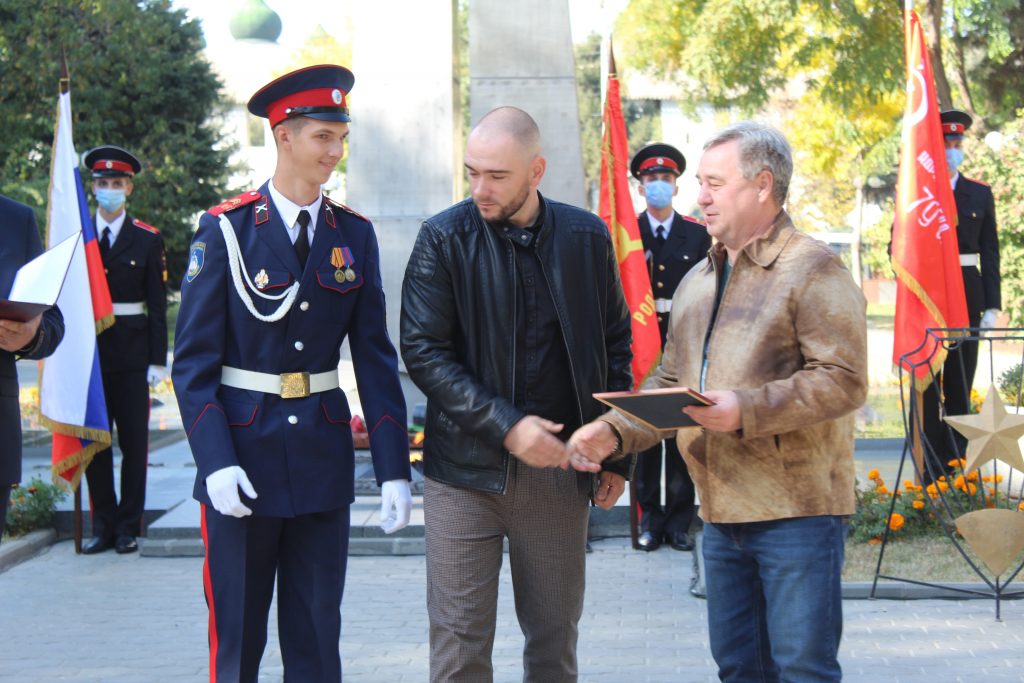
(673, 244)
(133, 352)
(277, 278)
(979, 260)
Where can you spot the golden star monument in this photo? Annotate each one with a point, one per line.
(992, 434)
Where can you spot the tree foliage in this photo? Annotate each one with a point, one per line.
(831, 70)
(138, 80)
(1001, 167)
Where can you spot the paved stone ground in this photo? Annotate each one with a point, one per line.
(131, 619)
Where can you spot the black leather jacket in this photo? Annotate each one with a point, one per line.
(458, 332)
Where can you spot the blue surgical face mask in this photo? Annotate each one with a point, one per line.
(110, 200)
(954, 157)
(659, 193)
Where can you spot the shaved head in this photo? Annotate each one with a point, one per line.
(511, 122)
(505, 166)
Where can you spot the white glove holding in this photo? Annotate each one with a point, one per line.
(395, 505)
(222, 487)
(988, 319)
(156, 374)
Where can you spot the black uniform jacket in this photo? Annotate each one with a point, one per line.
(19, 243)
(976, 234)
(136, 270)
(687, 245)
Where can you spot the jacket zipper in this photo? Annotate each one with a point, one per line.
(512, 378)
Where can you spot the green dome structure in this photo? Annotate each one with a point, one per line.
(256, 21)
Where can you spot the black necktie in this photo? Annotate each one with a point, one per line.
(659, 237)
(105, 242)
(302, 241)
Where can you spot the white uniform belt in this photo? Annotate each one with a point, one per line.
(130, 308)
(285, 385)
(970, 260)
(663, 305)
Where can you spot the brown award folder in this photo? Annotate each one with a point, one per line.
(657, 408)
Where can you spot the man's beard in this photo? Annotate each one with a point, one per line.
(510, 209)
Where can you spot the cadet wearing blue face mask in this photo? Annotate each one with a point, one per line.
(979, 260)
(133, 351)
(673, 245)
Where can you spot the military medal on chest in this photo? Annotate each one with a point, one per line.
(342, 260)
(262, 279)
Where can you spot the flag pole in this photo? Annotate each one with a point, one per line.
(65, 87)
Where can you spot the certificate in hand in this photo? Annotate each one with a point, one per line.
(37, 284)
(657, 408)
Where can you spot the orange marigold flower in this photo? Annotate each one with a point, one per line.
(1020, 506)
(958, 483)
(877, 540)
(972, 489)
(873, 474)
(908, 485)
(943, 486)
(955, 462)
(932, 490)
(972, 476)
(896, 522)
(999, 478)
(882, 490)
(942, 478)
(918, 504)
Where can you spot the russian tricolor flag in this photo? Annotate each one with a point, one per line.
(71, 388)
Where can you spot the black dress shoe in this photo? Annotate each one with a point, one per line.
(97, 544)
(648, 541)
(680, 540)
(125, 544)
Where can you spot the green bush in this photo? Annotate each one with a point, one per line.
(33, 507)
(1009, 384)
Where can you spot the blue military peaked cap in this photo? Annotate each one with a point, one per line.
(318, 92)
(110, 161)
(657, 158)
(955, 123)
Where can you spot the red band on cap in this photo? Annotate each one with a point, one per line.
(112, 165)
(952, 128)
(657, 161)
(318, 97)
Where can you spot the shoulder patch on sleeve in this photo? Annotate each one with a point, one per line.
(346, 209)
(234, 202)
(145, 226)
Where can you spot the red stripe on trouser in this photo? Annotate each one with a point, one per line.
(208, 589)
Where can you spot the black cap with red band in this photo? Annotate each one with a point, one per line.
(318, 92)
(955, 123)
(110, 161)
(657, 158)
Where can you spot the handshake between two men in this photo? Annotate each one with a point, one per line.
(533, 441)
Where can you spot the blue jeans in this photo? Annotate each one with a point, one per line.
(775, 611)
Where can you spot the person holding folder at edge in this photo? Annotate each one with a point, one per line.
(33, 339)
(773, 330)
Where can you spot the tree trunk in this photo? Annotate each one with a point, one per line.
(933, 31)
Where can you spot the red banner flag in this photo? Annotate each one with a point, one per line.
(616, 209)
(925, 256)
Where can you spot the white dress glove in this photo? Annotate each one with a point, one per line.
(988, 319)
(222, 487)
(156, 374)
(395, 505)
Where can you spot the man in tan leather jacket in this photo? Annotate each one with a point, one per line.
(772, 328)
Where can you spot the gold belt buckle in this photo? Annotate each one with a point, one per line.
(294, 384)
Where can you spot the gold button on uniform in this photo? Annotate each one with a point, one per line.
(299, 346)
(661, 266)
(660, 285)
(292, 420)
(304, 306)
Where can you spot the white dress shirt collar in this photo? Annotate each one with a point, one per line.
(114, 225)
(956, 177)
(289, 212)
(655, 223)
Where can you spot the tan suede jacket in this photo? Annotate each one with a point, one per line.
(791, 340)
